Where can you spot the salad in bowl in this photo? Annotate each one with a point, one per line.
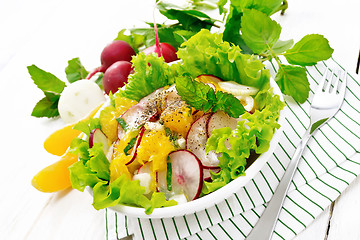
(180, 137)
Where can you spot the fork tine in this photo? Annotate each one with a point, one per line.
(323, 80)
(337, 82)
(329, 83)
(343, 84)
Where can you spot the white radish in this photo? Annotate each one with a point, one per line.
(207, 174)
(97, 136)
(187, 173)
(78, 100)
(219, 120)
(247, 101)
(237, 89)
(196, 142)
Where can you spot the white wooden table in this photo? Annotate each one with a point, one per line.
(48, 34)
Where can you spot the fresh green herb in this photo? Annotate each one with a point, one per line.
(309, 50)
(122, 123)
(292, 81)
(169, 176)
(261, 34)
(75, 70)
(130, 145)
(203, 97)
(187, 21)
(87, 126)
(51, 87)
(172, 136)
(254, 133)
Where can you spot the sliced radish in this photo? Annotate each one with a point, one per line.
(247, 101)
(137, 143)
(219, 120)
(97, 136)
(196, 142)
(237, 89)
(187, 173)
(143, 174)
(207, 174)
(146, 168)
(135, 116)
(205, 78)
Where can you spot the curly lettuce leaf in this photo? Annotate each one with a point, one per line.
(150, 73)
(92, 170)
(207, 53)
(253, 134)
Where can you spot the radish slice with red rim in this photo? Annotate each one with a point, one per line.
(187, 173)
(220, 120)
(207, 174)
(196, 142)
(136, 145)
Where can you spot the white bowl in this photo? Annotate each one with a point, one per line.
(218, 195)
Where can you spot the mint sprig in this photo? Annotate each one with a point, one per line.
(261, 34)
(203, 97)
(51, 87)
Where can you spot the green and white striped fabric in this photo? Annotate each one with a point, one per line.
(329, 164)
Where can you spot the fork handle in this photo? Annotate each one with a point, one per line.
(265, 226)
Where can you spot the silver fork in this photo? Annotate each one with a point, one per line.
(327, 100)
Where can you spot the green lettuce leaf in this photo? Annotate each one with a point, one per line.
(92, 170)
(253, 134)
(151, 73)
(207, 53)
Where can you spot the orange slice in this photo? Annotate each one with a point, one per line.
(55, 177)
(59, 141)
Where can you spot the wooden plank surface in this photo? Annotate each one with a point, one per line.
(48, 33)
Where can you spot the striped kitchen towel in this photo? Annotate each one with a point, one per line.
(330, 162)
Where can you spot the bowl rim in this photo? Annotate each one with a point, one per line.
(217, 196)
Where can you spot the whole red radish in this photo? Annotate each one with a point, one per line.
(115, 51)
(116, 76)
(164, 49)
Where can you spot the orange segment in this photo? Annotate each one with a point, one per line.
(108, 122)
(55, 177)
(178, 120)
(122, 104)
(59, 141)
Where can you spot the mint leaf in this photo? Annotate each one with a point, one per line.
(202, 97)
(309, 50)
(228, 103)
(75, 70)
(259, 32)
(282, 46)
(51, 87)
(135, 40)
(46, 81)
(196, 94)
(293, 81)
(190, 19)
(45, 108)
